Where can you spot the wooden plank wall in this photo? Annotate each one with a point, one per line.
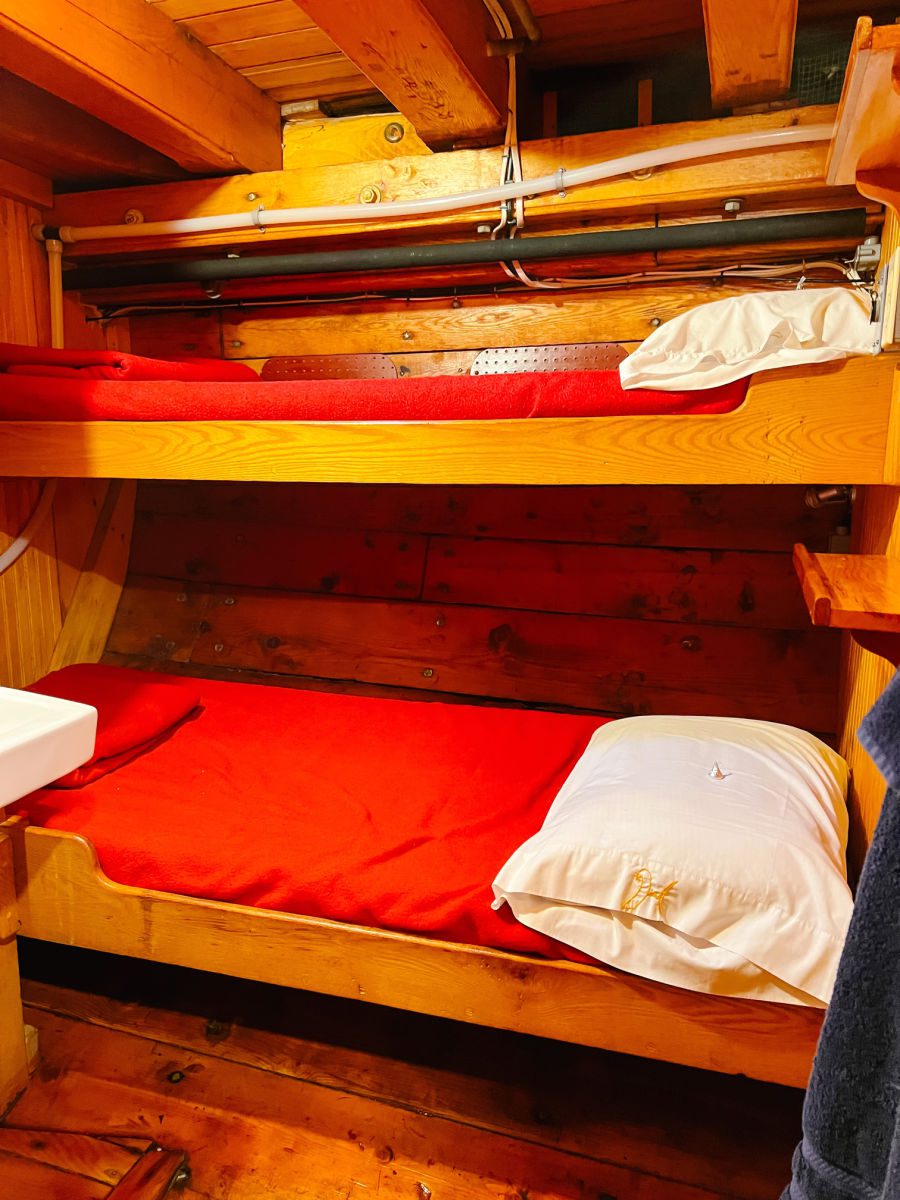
(619, 599)
(36, 593)
(30, 610)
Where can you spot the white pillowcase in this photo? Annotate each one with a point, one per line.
(728, 339)
(705, 852)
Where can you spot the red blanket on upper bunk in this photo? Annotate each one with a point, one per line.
(387, 813)
(113, 364)
(137, 397)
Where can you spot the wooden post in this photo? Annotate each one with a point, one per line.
(13, 1069)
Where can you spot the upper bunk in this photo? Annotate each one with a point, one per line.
(676, 205)
(834, 422)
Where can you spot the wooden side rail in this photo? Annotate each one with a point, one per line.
(65, 898)
(825, 423)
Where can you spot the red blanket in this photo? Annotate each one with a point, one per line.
(436, 398)
(112, 364)
(384, 813)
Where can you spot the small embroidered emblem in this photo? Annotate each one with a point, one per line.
(717, 773)
(646, 891)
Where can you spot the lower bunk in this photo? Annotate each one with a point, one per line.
(382, 823)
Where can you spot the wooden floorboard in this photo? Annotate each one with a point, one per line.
(282, 1094)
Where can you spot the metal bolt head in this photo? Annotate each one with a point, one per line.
(406, 335)
(733, 204)
(251, 196)
(236, 345)
(655, 322)
(181, 597)
(394, 132)
(484, 228)
(219, 647)
(229, 600)
(134, 216)
(427, 672)
(370, 194)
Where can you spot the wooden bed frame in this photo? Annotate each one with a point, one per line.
(64, 897)
(835, 423)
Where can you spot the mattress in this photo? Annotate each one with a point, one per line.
(385, 813)
(56, 396)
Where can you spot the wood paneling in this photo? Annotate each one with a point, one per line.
(750, 49)
(607, 665)
(741, 518)
(572, 609)
(29, 596)
(133, 69)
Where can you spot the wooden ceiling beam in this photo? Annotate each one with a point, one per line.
(127, 64)
(428, 57)
(46, 135)
(17, 183)
(750, 47)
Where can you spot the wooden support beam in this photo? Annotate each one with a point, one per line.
(129, 65)
(429, 58)
(43, 133)
(17, 183)
(750, 48)
(764, 178)
(96, 598)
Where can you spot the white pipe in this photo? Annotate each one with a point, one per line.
(559, 181)
(14, 552)
(57, 317)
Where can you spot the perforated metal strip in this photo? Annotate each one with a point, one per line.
(330, 366)
(577, 356)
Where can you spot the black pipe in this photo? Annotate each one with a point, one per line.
(846, 223)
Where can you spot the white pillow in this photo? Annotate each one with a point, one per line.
(716, 343)
(705, 852)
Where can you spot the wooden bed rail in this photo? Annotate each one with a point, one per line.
(825, 423)
(65, 898)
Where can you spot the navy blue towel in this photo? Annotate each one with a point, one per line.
(851, 1135)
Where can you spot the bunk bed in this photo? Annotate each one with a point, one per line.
(834, 422)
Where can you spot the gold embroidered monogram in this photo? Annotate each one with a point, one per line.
(646, 891)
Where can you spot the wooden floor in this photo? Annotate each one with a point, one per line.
(281, 1094)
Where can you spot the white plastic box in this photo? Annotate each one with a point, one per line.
(41, 738)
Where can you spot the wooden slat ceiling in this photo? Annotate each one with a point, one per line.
(278, 47)
(273, 43)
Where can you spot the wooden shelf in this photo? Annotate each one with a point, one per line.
(859, 592)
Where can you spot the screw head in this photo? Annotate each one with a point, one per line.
(394, 132)
(655, 322)
(427, 672)
(251, 196)
(219, 647)
(483, 228)
(134, 216)
(370, 194)
(236, 345)
(406, 335)
(733, 204)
